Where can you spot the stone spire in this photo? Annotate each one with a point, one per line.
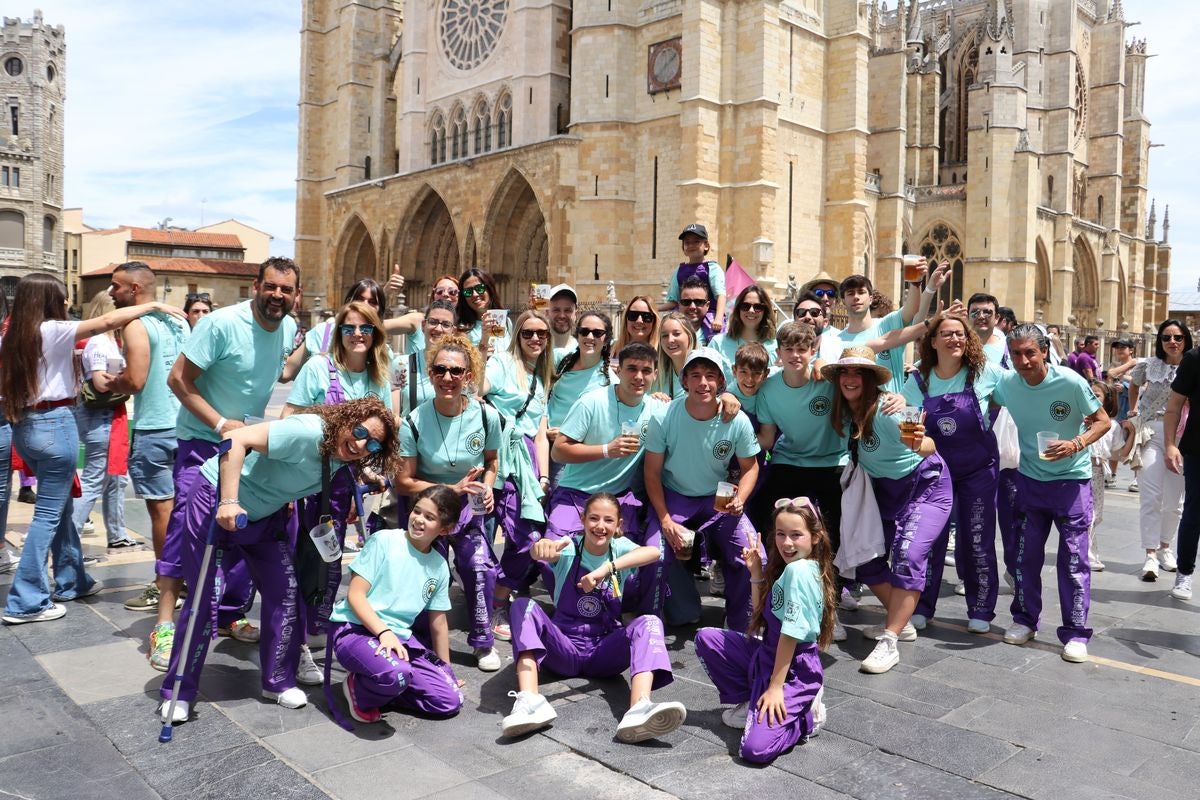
(999, 26)
(1166, 224)
(914, 26)
(1116, 12)
(1151, 221)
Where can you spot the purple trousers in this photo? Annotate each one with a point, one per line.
(237, 588)
(598, 650)
(477, 569)
(729, 534)
(1006, 513)
(266, 553)
(423, 683)
(914, 509)
(518, 571)
(1068, 506)
(740, 667)
(974, 550)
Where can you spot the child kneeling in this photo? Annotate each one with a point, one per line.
(585, 636)
(398, 575)
(776, 681)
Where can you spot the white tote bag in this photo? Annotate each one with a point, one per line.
(1006, 437)
(862, 527)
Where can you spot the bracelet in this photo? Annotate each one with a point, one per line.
(232, 501)
(604, 450)
(1079, 444)
(220, 424)
(758, 580)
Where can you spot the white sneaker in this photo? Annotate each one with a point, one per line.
(1019, 634)
(978, 626)
(1183, 587)
(820, 715)
(847, 601)
(885, 656)
(716, 580)
(960, 589)
(307, 671)
(52, 612)
(919, 621)
(1075, 651)
(1166, 559)
(1095, 564)
(8, 560)
(487, 659)
(1133, 485)
(907, 634)
(1150, 569)
(88, 528)
(839, 630)
(735, 716)
(530, 712)
(288, 698)
(647, 720)
(183, 710)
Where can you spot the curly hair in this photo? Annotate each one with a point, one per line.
(340, 418)
(625, 338)
(572, 358)
(457, 343)
(377, 356)
(973, 357)
(822, 553)
(766, 327)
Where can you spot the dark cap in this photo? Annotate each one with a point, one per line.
(697, 229)
(1122, 343)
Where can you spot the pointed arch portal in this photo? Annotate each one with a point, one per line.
(517, 244)
(356, 259)
(427, 246)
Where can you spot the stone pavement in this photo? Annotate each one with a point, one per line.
(961, 716)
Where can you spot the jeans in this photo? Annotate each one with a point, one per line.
(95, 428)
(1189, 523)
(6, 470)
(48, 441)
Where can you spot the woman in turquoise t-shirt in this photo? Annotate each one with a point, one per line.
(676, 339)
(912, 489)
(356, 365)
(476, 298)
(581, 370)
(752, 320)
(410, 381)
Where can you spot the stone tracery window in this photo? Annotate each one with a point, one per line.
(942, 244)
(470, 29)
(458, 136)
(504, 121)
(1081, 99)
(482, 127)
(437, 140)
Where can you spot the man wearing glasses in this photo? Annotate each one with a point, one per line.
(982, 308)
(811, 310)
(694, 303)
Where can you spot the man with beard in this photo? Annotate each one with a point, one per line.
(563, 305)
(224, 375)
(694, 303)
(811, 310)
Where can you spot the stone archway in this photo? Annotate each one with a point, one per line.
(356, 259)
(1041, 281)
(426, 246)
(515, 240)
(1085, 288)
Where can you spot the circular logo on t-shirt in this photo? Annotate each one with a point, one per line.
(475, 443)
(430, 588)
(871, 443)
(947, 425)
(589, 606)
(1060, 410)
(722, 450)
(819, 406)
(776, 596)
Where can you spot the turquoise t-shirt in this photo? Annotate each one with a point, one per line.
(508, 394)
(313, 382)
(588, 562)
(404, 582)
(156, 407)
(882, 454)
(667, 382)
(414, 364)
(315, 341)
(996, 351)
(727, 346)
(716, 283)
(1059, 403)
(449, 446)
(240, 362)
(567, 390)
(475, 336)
(807, 439)
(597, 419)
(698, 451)
(984, 385)
(892, 359)
(749, 401)
(290, 469)
(797, 600)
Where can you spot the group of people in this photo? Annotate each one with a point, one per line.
(619, 460)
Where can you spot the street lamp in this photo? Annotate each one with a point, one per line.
(166, 288)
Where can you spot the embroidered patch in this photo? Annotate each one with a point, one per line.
(589, 606)
(1060, 410)
(776, 596)
(871, 443)
(430, 588)
(475, 443)
(819, 406)
(722, 450)
(947, 425)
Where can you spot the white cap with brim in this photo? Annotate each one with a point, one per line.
(703, 354)
(559, 288)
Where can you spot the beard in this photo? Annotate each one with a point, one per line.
(272, 310)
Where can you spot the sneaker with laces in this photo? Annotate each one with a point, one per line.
(293, 697)
(978, 626)
(716, 580)
(1166, 559)
(500, 627)
(95, 588)
(487, 659)
(1183, 587)
(530, 712)
(8, 560)
(919, 621)
(1133, 486)
(648, 720)
(307, 671)
(50, 612)
(907, 634)
(242, 630)
(735, 716)
(1075, 651)
(183, 710)
(88, 528)
(839, 630)
(847, 601)
(162, 639)
(1095, 564)
(1150, 569)
(1019, 634)
(885, 656)
(146, 601)
(360, 713)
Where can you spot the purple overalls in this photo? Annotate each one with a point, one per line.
(585, 637)
(518, 571)
(955, 423)
(685, 272)
(740, 667)
(421, 683)
(477, 568)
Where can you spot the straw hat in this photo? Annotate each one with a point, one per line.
(857, 356)
(822, 277)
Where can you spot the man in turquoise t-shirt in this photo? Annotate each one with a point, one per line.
(1057, 419)
(688, 451)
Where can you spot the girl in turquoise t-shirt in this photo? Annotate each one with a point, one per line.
(776, 681)
(676, 339)
(752, 320)
(396, 577)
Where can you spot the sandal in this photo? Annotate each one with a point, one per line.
(242, 630)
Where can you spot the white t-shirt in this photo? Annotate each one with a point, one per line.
(96, 353)
(56, 372)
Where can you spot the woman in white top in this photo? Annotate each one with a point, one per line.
(39, 382)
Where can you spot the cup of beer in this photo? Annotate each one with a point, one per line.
(630, 428)
(912, 272)
(115, 365)
(910, 418)
(725, 493)
(497, 322)
(541, 295)
(689, 542)
(1044, 440)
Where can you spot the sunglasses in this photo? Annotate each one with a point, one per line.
(440, 370)
(529, 333)
(360, 432)
(825, 292)
(810, 312)
(639, 316)
(1171, 337)
(469, 291)
(198, 296)
(594, 333)
(691, 301)
(754, 308)
(982, 312)
(443, 292)
(366, 329)
(444, 324)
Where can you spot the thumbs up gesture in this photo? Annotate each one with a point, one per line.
(547, 550)
(396, 282)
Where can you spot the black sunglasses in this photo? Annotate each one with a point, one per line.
(529, 333)
(825, 292)
(1171, 337)
(809, 312)
(636, 316)
(754, 308)
(595, 333)
(692, 301)
(440, 370)
(198, 296)
(478, 288)
(360, 432)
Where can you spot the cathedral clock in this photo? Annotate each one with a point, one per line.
(664, 64)
(470, 29)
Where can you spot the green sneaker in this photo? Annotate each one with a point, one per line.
(161, 640)
(146, 601)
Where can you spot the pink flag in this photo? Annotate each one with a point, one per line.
(736, 279)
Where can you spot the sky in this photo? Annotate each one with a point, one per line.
(187, 110)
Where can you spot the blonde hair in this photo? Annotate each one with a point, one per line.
(543, 368)
(100, 304)
(666, 367)
(624, 338)
(377, 356)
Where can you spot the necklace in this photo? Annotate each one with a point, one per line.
(437, 417)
